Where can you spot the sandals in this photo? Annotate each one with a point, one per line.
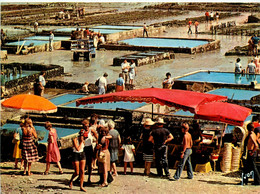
(104, 185)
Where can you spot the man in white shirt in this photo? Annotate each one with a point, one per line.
(102, 85)
(51, 39)
(125, 69)
(42, 82)
(251, 67)
(238, 67)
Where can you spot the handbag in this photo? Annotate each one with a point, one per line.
(21, 144)
(59, 143)
(101, 157)
(35, 141)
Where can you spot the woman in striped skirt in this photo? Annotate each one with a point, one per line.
(29, 149)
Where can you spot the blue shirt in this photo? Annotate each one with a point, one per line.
(120, 81)
(255, 40)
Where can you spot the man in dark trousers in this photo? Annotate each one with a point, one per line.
(160, 137)
(185, 154)
(251, 146)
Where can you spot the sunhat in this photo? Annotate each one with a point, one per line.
(148, 121)
(160, 121)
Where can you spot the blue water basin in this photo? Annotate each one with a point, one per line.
(117, 27)
(102, 31)
(235, 94)
(65, 98)
(62, 132)
(24, 74)
(56, 38)
(27, 43)
(164, 42)
(221, 77)
(110, 105)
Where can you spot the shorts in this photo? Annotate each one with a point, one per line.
(79, 156)
(147, 158)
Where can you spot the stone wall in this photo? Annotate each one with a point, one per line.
(77, 86)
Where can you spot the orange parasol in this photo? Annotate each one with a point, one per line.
(30, 103)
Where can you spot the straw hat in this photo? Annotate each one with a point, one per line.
(148, 121)
(160, 121)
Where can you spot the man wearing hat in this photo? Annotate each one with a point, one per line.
(147, 145)
(160, 137)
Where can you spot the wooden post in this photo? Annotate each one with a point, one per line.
(220, 144)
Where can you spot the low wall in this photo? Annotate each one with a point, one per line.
(142, 59)
(77, 86)
(33, 49)
(212, 45)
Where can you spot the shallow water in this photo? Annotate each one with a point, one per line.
(235, 94)
(220, 77)
(163, 42)
(24, 74)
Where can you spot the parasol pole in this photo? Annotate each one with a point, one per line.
(152, 111)
(224, 128)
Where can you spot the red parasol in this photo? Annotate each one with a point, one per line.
(183, 99)
(30, 103)
(224, 112)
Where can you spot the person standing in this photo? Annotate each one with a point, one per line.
(88, 149)
(211, 16)
(125, 69)
(129, 149)
(147, 145)
(103, 156)
(185, 154)
(145, 30)
(42, 82)
(79, 161)
(251, 67)
(29, 149)
(113, 145)
(189, 27)
(255, 41)
(251, 146)
(160, 137)
(51, 39)
(207, 16)
(17, 154)
(132, 72)
(53, 152)
(35, 26)
(120, 83)
(217, 17)
(168, 81)
(37, 88)
(196, 27)
(102, 85)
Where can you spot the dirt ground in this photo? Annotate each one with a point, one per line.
(213, 182)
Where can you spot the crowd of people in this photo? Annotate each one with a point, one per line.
(97, 37)
(99, 142)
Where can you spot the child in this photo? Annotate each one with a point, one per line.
(129, 154)
(85, 87)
